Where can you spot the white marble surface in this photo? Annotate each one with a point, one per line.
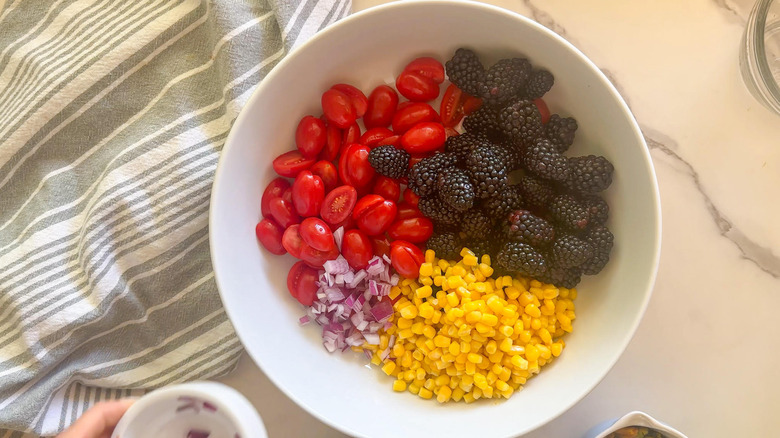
(706, 358)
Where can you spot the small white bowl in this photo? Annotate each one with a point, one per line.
(635, 418)
(174, 411)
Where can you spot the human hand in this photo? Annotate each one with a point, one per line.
(98, 421)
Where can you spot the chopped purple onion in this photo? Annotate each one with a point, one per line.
(303, 320)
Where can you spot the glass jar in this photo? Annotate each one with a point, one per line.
(759, 58)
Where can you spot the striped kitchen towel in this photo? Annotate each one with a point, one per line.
(112, 117)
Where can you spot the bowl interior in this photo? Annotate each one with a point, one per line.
(366, 50)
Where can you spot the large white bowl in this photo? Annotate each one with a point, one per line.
(370, 48)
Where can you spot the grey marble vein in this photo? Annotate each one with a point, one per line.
(545, 19)
(733, 11)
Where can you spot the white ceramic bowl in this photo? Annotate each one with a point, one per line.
(370, 48)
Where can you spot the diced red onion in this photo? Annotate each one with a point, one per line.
(333, 294)
(391, 342)
(382, 311)
(337, 266)
(359, 276)
(371, 338)
(338, 279)
(387, 259)
(372, 287)
(374, 326)
(384, 354)
(303, 320)
(394, 279)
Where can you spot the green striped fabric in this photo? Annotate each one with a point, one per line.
(112, 117)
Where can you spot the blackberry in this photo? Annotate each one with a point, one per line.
(424, 175)
(467, 72)
(523, 258)
(455, 189)
(505, 79)
(523, 226)
(503, 203)
(543, 160)
(568, 251)
(538, 84)
(487, 171)
(521, 121)
(446, 245)
(560, 132)
(601, 239)
(484, 121)
(589, 174)
(568, 213)
(475, 224)
(480, 246)
(598, 209)
(562, 277)
(437, 210)
(462, 145)
(511, 153)
(389, 161)
(535, 191)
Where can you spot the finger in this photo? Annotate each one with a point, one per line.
(98, 419)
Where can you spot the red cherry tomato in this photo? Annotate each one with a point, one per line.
(381, 245)
(416, 87)
(269, 233)
(359, 100)
(387, 188)
(348, 224)
(406, 211)
(451, 109)
(354, 168)
(414, 229)
(393, 140)
(289, 164)
(338, 205)
(327, 172)
(308, 191)
(351, 135)
(381, 106)
(316, 233)
(283, 213)
(301, 282)
(356, 248)
(411, 197)
(292, 241)
(428, 67)
(412, 114)
(338, 108)
(424, 137)
(470, 104)
(316, 258)
(274, 190)
(543, 110)
(374, 214)
(310, 136)
(332, 143)
(406, 258)
(374, 137)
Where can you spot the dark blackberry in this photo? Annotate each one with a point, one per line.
(512, 153)
(562, 277)
(538, 84)
(476, 224)
(467, 72)
(523, 226)
(389, 161)
(462, 145)
(480, 246)
(505, 79)
(543, 160)
(560, 131)
(522, 258)
(598, 209)
(568, 213)
(437, 210)
(568, 251)
(487, 171)
(424, 175)
(589, 174)
(535, 191)
(484, 121)
(521, 121)
(502, 203)
(455, 188)
(601, 239)
(446, 246)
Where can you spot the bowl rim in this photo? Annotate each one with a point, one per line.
(645, 152)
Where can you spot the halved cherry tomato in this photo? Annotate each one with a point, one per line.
(316, 233)
(302, 283)
(274, 190)
(412, 114)
(310, 136)
(374, 137)
(414, 229)
(381, 245)
(428, 67)
(359, 100)
(351, 135)
(374, 214)
(406, 211)
(292, 241)
(451, 109)
(338, 205)
(470, 104)
(354, 168)
(289, 164)
(424, 137)
(416, 87)
(327, 172)
(382, 104)
(356, 248)
(269, 233)
(406, 258)
(338, 108)
(411, 197)
(316, 258)
(332, 143)
(283, 212)
(308, 191)
(387, 188)
(543, 110)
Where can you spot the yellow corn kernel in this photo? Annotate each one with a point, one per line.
(444, 394)
(452, 299)
(406, 361)
(441, 341)
(414, 389)
(556, 348)
(405, 333)
(480, 381)
(471, 368)
(425, 393)
(423, 292)
(489, 320)
(500, 385)
(491, 347)
(545, 336)
(398, 349)
(544, 351)
(533, 311)
(436, 317)
(417, 327)
(519, 363)
(536, 324)
(399, 385)
(470, 260)
(443, 265)
(506, 345)
(442, 380)
(420, 374)
(457, 394)
(404, 323)
(475, 358)
(477, 337)
(531, 353)
(481, 328)
(429, 332)
(376, 360)
(468, 397)
(438, 280)
(384, 341)
(409, 312)
(388, 368)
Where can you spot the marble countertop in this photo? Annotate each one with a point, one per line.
(706, 357)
